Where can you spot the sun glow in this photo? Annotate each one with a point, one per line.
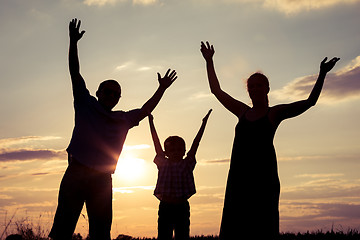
(129, 168)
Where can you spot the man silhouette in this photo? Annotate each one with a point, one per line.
(94, 149)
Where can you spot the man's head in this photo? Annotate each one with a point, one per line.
(108, 94)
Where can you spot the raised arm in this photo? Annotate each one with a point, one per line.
(155, 137)
(294, 109)
(164, 83)
(233, 105)
(199, 135)
(74, 66)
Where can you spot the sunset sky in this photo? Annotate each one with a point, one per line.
(130, 41)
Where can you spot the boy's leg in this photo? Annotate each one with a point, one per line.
(99, 206)
(165, 221)
(70, 204)
(182, 224)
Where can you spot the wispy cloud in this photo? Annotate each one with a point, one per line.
(319, 175)
(11, 142)
(325, 199)
(288, 7)
(339, 86)
(101, 2)
(134, 66)
(311, 216)
(291, 7)
(302, 158)
(329, 187)
(31, 154)
(200, 95)
(113, 2)
(145, 2)
(215, 161)
(23, 149)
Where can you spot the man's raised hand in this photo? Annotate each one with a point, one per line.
(168, 79)
(74, 32)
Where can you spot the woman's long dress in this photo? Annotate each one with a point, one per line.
(253, 187)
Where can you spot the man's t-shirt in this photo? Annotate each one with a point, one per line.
(99, 135)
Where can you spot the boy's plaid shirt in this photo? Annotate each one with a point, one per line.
(175, 179)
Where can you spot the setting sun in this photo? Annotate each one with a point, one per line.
(129, 168)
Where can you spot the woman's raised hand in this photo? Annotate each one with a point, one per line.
(207, 50)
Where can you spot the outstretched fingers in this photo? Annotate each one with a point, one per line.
(172, 75)
(208, 45)
(74, 29)
(168, 79)
(207, 50)
(324, 60)
(78, 24)
(335, 59)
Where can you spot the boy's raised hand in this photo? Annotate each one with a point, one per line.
(168, 79)
(207, 116)
(74, 32)
(207, 50)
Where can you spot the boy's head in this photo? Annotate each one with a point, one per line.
(108, 94)
(175, 148)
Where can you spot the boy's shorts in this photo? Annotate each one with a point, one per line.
(80, 185)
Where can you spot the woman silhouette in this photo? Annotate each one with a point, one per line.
(253, 187)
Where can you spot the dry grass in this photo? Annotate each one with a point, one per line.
(29, 231)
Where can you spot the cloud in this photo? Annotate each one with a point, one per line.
(30, 154)
(144, 2)
(319, 175)
(201, 95)
(133, 66)
(293, 7)
(101, 2)
(216, 161)
(329, 187)
(113, 2)
(288, 7)
(6, 197)
(342, 85)
(9, 142)
(312, 216)
(23, 148)
(325, 199)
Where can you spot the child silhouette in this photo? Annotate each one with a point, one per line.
(175, 184)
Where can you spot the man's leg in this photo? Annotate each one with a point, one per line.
(99, 206)
(70, 204)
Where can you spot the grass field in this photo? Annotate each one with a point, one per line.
(28, 231)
